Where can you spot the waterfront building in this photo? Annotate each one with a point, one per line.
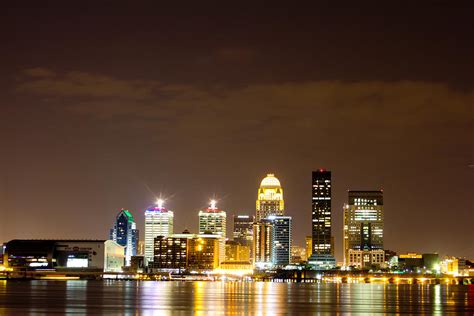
(234, 251)
(137, 264)
(213, 220)
(158, 222)
(298, 254)
(236, 268)
(64, 255)
(322, 254)
(170, 253)
(125, 233)
(450, 265)
(361, 259)
(431, 262)
(281, 252)
(141, 248)
(263, 243)
(363, 229)
(203, 252)
(243, 229)
(309, 246)
(410, 262)
(269, 198)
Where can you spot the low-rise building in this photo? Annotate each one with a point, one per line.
(365, 259)
(298, 254)
(82, 255)
(234, 251)
(170, 253)
(203, 252)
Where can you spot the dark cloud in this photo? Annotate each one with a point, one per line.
(80, 84)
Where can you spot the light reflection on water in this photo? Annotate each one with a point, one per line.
(204, 298)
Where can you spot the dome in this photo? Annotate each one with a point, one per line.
(270, 181)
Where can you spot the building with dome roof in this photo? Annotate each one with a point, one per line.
(269, 198)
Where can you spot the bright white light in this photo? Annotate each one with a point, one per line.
(213, 204)
(77, 263)
(38, 264)
(160, 203)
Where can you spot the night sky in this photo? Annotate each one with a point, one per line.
(106, 106)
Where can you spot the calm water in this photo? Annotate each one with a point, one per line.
(131, 297)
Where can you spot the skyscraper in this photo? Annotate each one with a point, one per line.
(363, 229)
(321, 257)
(158, 222)
(269, 198)
(243, 229)
(125, 233)
(263, 243)
(281, 253)
(213, 220)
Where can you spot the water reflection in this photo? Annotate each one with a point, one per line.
(233, 298)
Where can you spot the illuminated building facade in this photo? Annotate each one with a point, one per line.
(281, 252)
(269, 198)
(365, 259)
(321, 257)
(125, 233)
(65, 255)
(263, 243)
(363, 228)
(234, 251)
(170, 253)
(203, 252)
(309, 246)
(298, 254)
(213, 220)
(158, 222)
(243, 229)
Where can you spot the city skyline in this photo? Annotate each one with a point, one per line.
(98, 115)
(162, 200)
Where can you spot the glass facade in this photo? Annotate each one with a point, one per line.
(281, 254)
(243, 229)
(170, 253)
(125, 233)
(263, 243)
(363, 224)
(321, 215)
(158, 222)
(322, 256)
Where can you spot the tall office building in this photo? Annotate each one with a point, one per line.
(213, 220)
(363, 229)
(269, 198)
(321, 257)
(158, 222)
(281, 252)
(243, 229)
(125, 233)
(263, 243)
